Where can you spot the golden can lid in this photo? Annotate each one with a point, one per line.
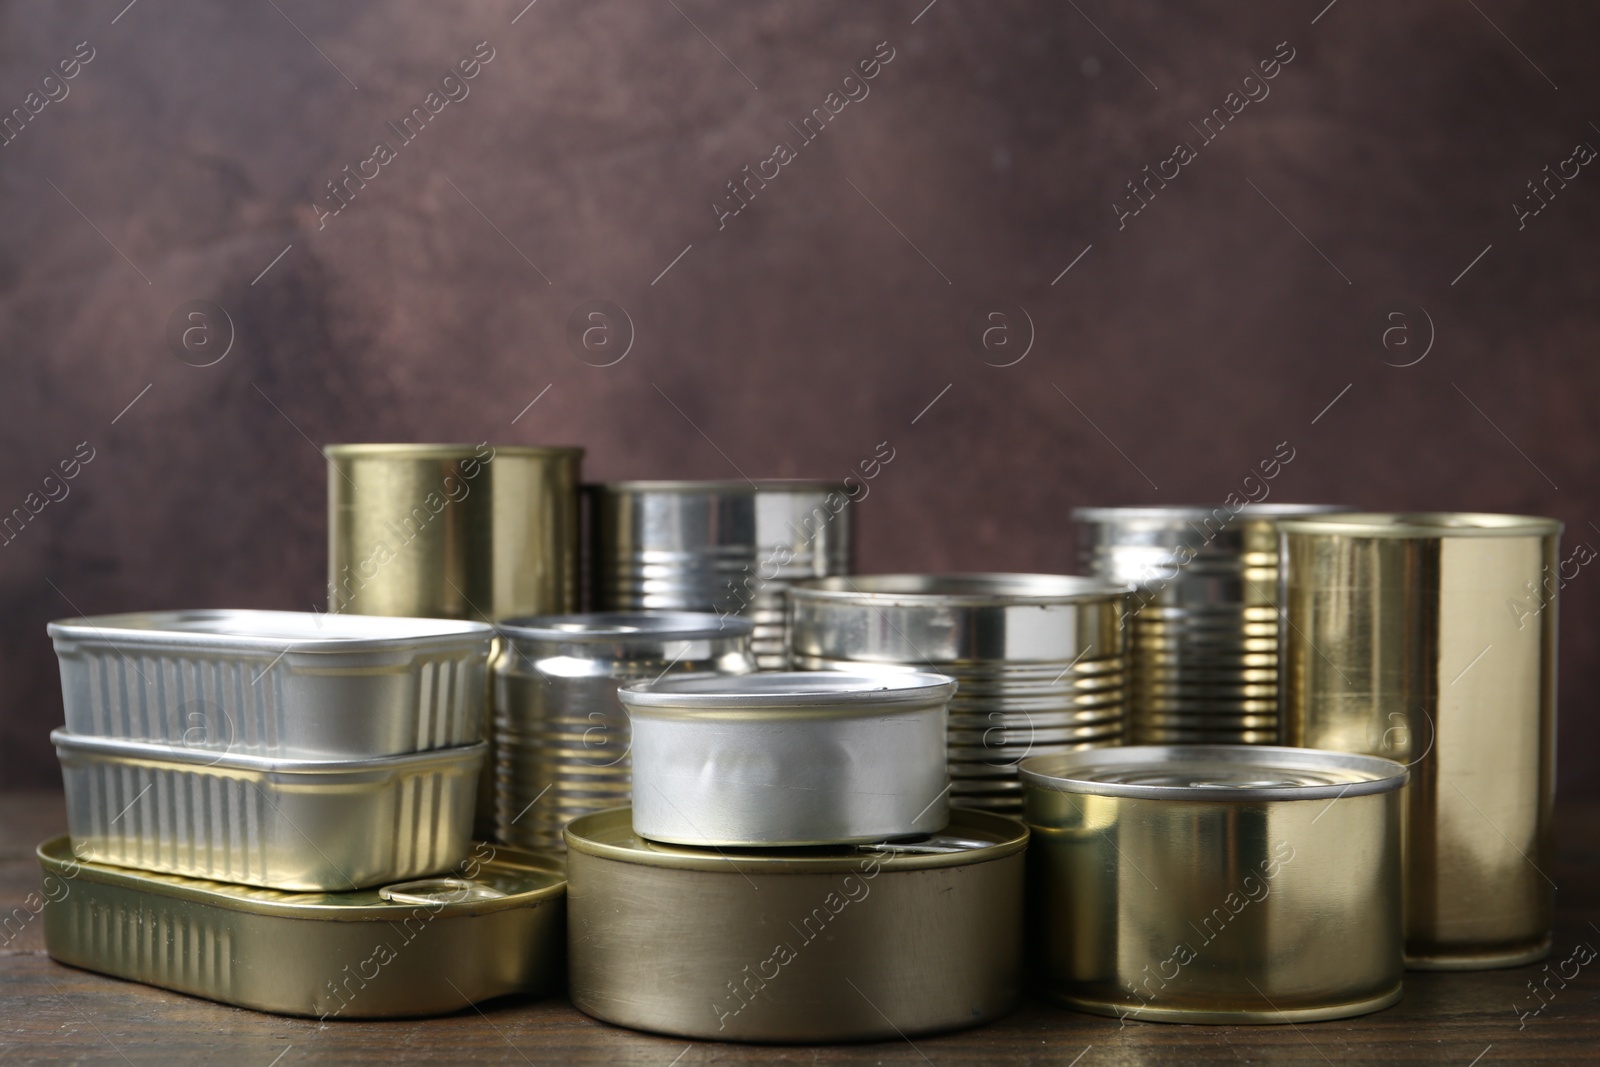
(1423, 524)
(1220, 773)
(970, 837)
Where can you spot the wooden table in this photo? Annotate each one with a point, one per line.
(52, 1013)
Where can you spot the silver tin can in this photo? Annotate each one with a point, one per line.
(728, 547)
(275, 683)
(312, 825)
(1041, 660)
(1203, 623)
(562, 743)
(779, 759)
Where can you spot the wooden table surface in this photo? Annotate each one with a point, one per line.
(52, 1013)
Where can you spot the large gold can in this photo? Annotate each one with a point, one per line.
(1215, 883)
(1431, 639)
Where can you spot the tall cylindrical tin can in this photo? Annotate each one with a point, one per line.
(1203, 623)
(1216, 883)
(848, 943)
(1431, 639)
(561, 736)
(728, 547)
(455, 532)
(1040, 659)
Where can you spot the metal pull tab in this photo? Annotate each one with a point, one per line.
(439, 891)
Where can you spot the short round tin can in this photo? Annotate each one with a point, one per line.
(785, 759)
(1216, 883)
(561, 737)
(849, 943)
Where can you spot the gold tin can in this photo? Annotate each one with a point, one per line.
(496, 925)
(843, 943)
(1431, 639)
(1216, 883)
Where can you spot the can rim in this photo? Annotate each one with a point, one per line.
(69, 744)
(56, 857)
(724, 486)
(869, 690)
(1183, 512)
(1063, 773)
(967, 589)
(386, 633)
(1425, 524)
(410, 450)
(1007, 836)
(600, 627)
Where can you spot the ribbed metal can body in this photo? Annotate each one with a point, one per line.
(727, 547)
(562, 741)
(1203, 622)
(1040, 660)
(1431, 639)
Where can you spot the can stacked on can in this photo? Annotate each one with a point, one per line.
(727, 547)
(1203, 622)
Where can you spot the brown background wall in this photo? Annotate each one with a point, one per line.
(1247, 296)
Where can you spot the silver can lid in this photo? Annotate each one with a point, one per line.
(790, 689)
(963, 589)
(1219, 773)
(603, 627)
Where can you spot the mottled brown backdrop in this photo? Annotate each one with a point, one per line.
(987, 156)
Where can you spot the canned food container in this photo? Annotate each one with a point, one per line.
(495, 925)
(326, 825)
(561, 735)
(1431, 639)
(847, 943)
(728, 547)
(782, 759)
(1216, 883)
(274, 683)
(1041, 660)
(1203, 623)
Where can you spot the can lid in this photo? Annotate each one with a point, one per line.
(1168, 513)
(971, 837)
(492, 878)
(1424, 524)
(770, 690)
(963, 589)
(325, 773)
(1216, 773)
(406, 450)
(722, 487)
(611, 626)
(229, 630)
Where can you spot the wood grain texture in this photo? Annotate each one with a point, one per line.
(51, 1013)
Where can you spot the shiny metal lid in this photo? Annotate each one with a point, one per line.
(801, 690)
(962, 589)
(1219, 773)
(1176, 513)
(232, 630)
(722, 488)
(403, 450)
(1424, 524)
(612, 626)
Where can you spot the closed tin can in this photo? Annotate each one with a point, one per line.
(1203, 623)
(1431, 639)
(847, 943)
(727, 547)
(561, 734)
(787, 759)
(1216, 883)
(495, 925)
(1040, 658)
(326, 825)
(274, 683)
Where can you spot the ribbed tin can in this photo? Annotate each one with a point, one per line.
(1041, 660)
(727, 547)
(1216, 883)
(1203, 623)
(849, 943)
(561, 735)
(1431, 639)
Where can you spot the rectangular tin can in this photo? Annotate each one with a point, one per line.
(495, 926)
(1216, 884)
(326, 825)
(1431, 639)
(274, 683)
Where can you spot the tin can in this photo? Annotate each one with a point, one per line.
(1203, 623)
(1216, 883)
(274, 683)
(728, 547)
(325, 825)
(1040, 658)
(787, 759)
(561, 734)
(495, 926)
(848, 943)
(1431, 639)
